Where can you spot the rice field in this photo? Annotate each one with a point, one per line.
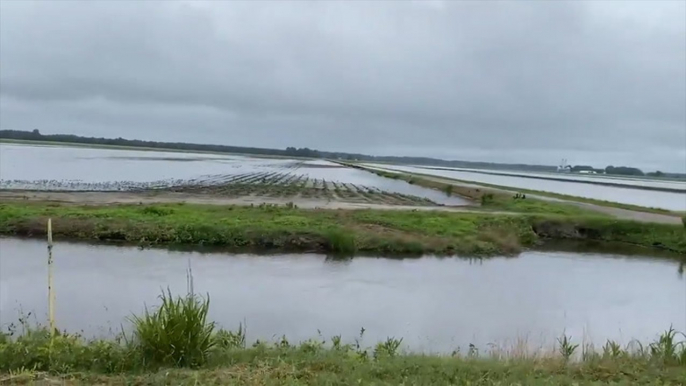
(51, 169)
(292, 185)
(284, 183)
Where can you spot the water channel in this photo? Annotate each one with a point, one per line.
(434, 304)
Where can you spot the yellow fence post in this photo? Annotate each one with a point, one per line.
(51, 291)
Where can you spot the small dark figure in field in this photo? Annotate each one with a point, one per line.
(519, 196)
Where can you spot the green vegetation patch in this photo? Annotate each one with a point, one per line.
(268, 227)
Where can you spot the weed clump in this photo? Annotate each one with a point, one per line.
(340, 242)
(230, 339)
(668, 349)
(157, 211)
(176, 333)
(567, 348)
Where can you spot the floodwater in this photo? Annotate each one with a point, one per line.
(29, 162)
(678, 185)
(626, 195)
(81, 168)
(434, 304)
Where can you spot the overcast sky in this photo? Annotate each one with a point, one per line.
(531, 81)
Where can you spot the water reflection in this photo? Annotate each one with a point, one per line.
(73, 169)
(434, 304)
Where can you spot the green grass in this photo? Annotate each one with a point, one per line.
(175, 334)
(379, 232)
(222, 358)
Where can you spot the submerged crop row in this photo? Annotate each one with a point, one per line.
(275, 182)
(176, 343)
(365, 231)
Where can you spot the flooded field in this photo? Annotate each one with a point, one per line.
(663, 183)
(626, 195)
(434, 304)
(87, 169)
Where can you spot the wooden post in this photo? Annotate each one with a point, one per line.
(51, 291)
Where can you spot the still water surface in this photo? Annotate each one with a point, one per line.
(92, 165)
(435, 304)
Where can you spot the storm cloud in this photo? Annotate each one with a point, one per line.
(594, 82)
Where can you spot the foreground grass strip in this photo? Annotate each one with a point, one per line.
(293, 367)
(366, 231)
(222, 358)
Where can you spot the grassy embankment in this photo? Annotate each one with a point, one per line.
(176, 344)
(500, 201)
(336, 231)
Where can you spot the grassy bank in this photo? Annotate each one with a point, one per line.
(289, 228)
(176, 344)
(502, 201)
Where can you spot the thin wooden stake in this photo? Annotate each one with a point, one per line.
(51, 291)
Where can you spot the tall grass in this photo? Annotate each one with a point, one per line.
(668, 349)
(340, 241)
(176, 333)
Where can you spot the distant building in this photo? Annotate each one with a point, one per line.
(563, 167)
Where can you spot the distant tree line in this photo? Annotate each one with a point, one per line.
(619, 170)
(624, 170)
(36, 135)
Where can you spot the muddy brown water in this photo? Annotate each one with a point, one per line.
(434, 304)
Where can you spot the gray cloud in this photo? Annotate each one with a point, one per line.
(594, 82)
